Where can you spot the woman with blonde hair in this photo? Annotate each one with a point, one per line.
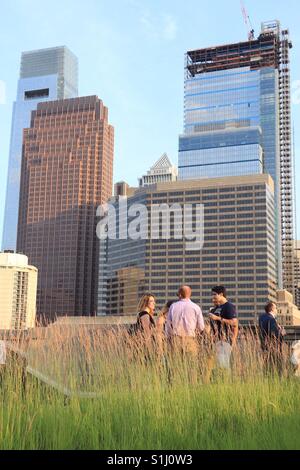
(145, 317)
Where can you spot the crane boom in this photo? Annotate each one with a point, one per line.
(248, 23)
(244, 13)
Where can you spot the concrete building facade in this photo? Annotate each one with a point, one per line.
(238, 249)
(288, 312)
(18, 287)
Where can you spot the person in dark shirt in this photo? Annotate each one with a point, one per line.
(223, 317)
(271, 338)
(223, 327)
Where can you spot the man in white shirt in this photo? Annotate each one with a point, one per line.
(184, 320)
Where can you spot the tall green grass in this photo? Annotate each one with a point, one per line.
(162, 402)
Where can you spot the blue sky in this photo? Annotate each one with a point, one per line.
(131, 54)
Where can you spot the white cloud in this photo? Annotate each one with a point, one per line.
(170, 28)
(159, 26)
(148, 24)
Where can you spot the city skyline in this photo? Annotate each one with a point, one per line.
(149, 174)
(129, 84)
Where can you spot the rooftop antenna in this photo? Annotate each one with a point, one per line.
(248, 23)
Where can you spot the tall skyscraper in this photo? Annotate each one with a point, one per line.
(45, 74)
(237, 121)
(67, 171)
(237, 252)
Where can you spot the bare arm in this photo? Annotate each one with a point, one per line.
(235, 332)
(233, 322)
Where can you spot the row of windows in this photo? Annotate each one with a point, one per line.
(235, 190)
(236, 258)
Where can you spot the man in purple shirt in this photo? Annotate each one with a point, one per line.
(184, 320)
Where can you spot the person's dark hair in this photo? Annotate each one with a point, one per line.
(269, 306)
(219, 290)
(166, 308)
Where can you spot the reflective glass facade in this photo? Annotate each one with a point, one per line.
(218, 100)
(226, 161)
(232, 115)
(222, 124)
(58, 60)
(45, 75)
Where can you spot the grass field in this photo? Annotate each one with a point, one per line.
(153, 404)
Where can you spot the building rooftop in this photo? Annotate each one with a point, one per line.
(213, 182)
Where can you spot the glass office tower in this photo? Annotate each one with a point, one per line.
(45, 75)
(237, 122)
(222, 133)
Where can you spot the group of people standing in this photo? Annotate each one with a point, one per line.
(180, 324)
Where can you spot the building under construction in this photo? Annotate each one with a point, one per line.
(237, 121)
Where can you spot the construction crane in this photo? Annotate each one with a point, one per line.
(248, 23)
